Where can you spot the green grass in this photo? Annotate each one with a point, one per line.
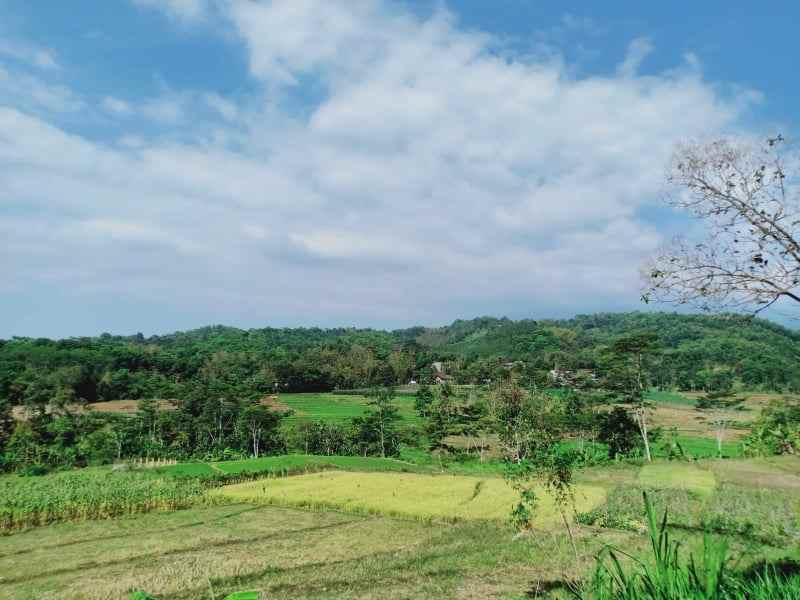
(753, 499)
(704, 447)
(339, 408)
(423, 497)
(321, 555)
(672, 573)
(411, 460)
(189, 470)
(294, 463)
(90, 494)
(677, 475)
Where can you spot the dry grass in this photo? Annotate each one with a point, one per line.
(690, 421)
(780, 472)
(179, 552)
(127, 407)
(422, 497)
(286, 554)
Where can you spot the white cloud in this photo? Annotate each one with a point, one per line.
(227, 109)
(116, 106)
(167, 110)
(34, 56)
(432, 175)
(22, 89)
(638, 50)
(190, 10)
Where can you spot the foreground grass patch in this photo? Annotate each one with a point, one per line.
(678, 476)
(424, 497)
(206, 552)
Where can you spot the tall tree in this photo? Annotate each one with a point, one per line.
(630, 364)
(385, 415)
(257, 421)
(531, 431)
(750, 257)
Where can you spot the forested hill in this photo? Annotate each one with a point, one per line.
(696, 352)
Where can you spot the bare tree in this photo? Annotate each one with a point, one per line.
(721, 404)
(750, 258)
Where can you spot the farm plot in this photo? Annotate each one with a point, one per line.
(678, 476)
(338, 408)
(423, 497)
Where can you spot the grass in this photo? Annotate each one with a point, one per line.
(666, 397)
(415, 496)
(90, 494)
(755, 499)
(704, 447)
(771, 516)
(339, 408)
(321, 555)
(189, 470)
(293, 463)
(411, 460)
(298, 554)
(671, 574)
(283, 553)
(675, 475)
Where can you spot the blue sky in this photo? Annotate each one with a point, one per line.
(167, 164)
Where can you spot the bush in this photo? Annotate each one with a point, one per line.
(619, 432)
(777, 431)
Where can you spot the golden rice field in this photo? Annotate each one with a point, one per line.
(423, 497)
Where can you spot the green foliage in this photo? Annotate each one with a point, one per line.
(423, 400)
(777, 430)
(766, 516)
(531, 430)
(90, 494)
(210, 380)
(671, 576)
(618, 431)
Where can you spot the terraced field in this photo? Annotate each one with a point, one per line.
(416, 496)
(678, 476)
(338, 408)
(452, 539)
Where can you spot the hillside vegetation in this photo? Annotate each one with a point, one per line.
(698, 352)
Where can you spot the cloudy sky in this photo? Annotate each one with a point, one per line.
(166, 164)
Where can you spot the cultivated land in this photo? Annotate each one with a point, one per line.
(301, 526)
(339, 407)
(232, 538)
(414, 496)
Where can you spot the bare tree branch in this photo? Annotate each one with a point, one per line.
(750, 257)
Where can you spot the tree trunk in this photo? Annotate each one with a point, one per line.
(642, 420)
(383, 443)
(255, 433)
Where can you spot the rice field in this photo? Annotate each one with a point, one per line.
(339, 408)
(677, 476)
(415, 496)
